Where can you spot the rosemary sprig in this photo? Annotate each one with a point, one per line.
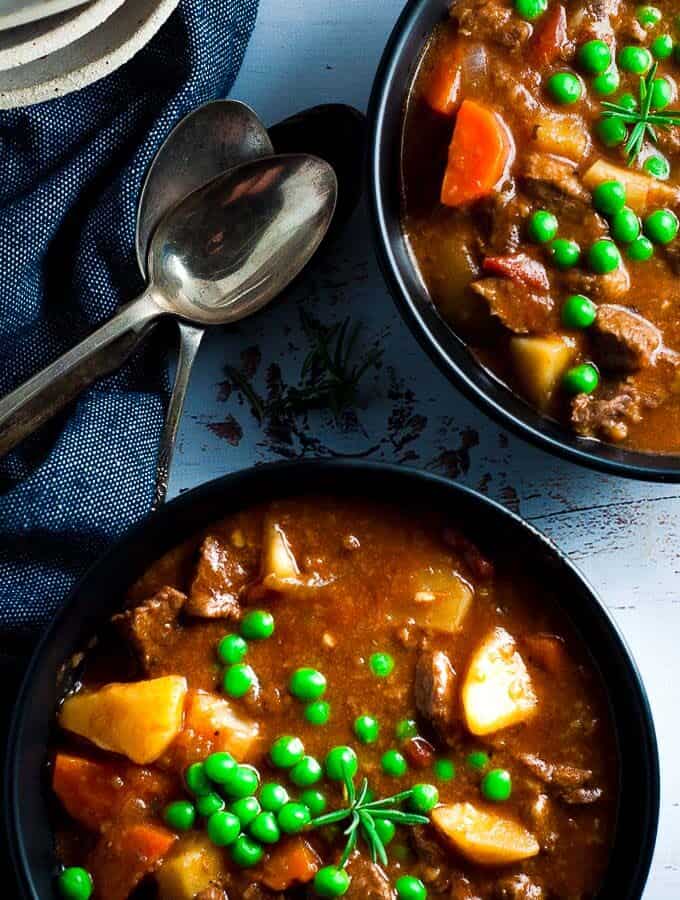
(642, 119)
(362, 816)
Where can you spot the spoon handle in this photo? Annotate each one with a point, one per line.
(38, 399)
(190, 337)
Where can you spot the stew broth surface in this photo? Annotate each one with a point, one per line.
(367, 575)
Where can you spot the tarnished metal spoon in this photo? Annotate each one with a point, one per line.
(210, 140)
(218, 256)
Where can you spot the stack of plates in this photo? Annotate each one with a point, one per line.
(51, 47)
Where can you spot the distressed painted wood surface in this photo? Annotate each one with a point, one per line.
(624, 535)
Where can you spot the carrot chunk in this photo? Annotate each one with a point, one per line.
(550, 36)
(125, 855)
(480, 150)
(442, 87)
(293, 861)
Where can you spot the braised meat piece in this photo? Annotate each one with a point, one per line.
(518, 887)
(222, 574)
(150, 627)
(521, 311)
(609, 288)
(580, 796)
(488, 19)
(553, 179)
(571, 783)
(435, 692)
(606, 417)
(213, 892)
(521, 268)
(623, 340)
(369, 881)
(434, 868)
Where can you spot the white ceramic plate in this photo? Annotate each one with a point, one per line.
(91, 57)
(18, 12)
(22, 45)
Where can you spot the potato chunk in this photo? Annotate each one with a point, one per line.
(539, 364)
(442, 600)
(484, 837)
(194, 864)
(642, 191)
(212, 724)
(562, 135)
(279, 566)
(497, 691)
(139, 720)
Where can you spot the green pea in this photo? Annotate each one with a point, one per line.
(636, 60)
(578, 311)
(662, 47)
(478, 760)
(648, 16)
(307, 772)
(582, 379)
(209, 804)
(628, 101)
(318, 713)
(497, 785)
(661, 227)
(339, 761)
(265, 828)
(394, 763)
(381, 664)
(595, 57)
(293, 818)
(625, 225)
(606, 84)
(331, 881)
(409, 887)
(565, 88)
(286, 751)
(75, 883)
(604, 256)
(609, 197)
(658, 167)
(232, 649)
(246, 852)
(314, 800)
(612, 132)
(307, 684)
(219, 767)
(424, 797)
(386, 830)
(246, 810)
(366, 729)
(238, 680)
(243, 782)
(543, 226)
(662, 93)
(564, 253)
(223, 828)
(640, 250)
(257, 625)
(197, 781)
(273, 797)
(445, 770)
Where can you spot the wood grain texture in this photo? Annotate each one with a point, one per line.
(624, 535)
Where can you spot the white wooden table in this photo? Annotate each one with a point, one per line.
(624, 535)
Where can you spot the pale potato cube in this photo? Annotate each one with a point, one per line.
(442, 600)
(213, 724)
(484, 837)
(139, 720)
(540, 363)
(497, 691)
(562, 135)
(279, 566)
(643, 193)
(194, 864)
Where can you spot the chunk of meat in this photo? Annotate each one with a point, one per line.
(368, 880)
(571, 784)
(519, 309)
(580, 796)
(623, 340)
(469, 552)
(213, 892)
(609, 288)
(435, 692)
(434, 860)
(593, 20)
(487, 19)
(550, 41)
(150, 627)
(548, 652)
(518, 887)
(606, 417)
(520, 268)
(220, 580)
(553, 180)
(506, 214)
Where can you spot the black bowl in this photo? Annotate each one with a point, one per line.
(26, 796)
(386, 110)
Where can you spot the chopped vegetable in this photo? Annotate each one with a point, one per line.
(582, 379)
(443, 599)
(642, 191)
(192, 866)
(521, 268)
(139, 719)
(291, 862)
(497, 691)
(562, 135)
(127, 853)
(212, 724)
(550, 36)
(548, 652)
(279, 566)
(540, 363)
(481, 149)
(565, 88)
(484, 837)
(442, 88)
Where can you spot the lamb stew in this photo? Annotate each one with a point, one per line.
(322, 698)
(541, 192)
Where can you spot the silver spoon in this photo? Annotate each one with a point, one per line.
(224, 252)
(210, 140)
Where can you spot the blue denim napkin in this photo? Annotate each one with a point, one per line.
(72, 170)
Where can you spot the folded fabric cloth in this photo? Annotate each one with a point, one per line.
(72, 171)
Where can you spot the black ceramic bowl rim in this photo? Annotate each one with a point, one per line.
(97, 596)
(393, 78)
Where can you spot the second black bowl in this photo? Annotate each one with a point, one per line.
(386, 111)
